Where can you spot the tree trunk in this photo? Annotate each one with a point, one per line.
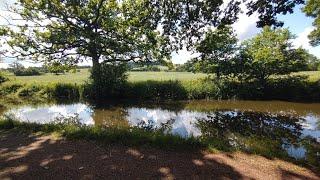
(96, 78)
(218, 72)
(95, 64)
(263, 83)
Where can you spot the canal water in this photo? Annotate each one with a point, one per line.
(293, 128)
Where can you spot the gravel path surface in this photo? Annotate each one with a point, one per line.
(47, 157)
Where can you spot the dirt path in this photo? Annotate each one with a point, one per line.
(47, 157)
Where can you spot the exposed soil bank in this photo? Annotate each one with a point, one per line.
(47, 157)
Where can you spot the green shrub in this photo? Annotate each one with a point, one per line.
(58, 91)
(108, 80)
(3, 78)
(152, 68)
(200, 89)
(8, 123)
(155, 90)
(295, 88)
(30, 71)
(292, 88)
(28, 91)
(7, 89)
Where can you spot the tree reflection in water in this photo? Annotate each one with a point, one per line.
(246, 124)
(262, 133)
(165, 127)
(267, 134)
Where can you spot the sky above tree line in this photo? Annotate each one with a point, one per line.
(245, 27)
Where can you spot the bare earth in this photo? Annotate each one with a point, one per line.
(47, 157)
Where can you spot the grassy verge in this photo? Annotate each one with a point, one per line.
(109, 135)
(292, 88)
(134, 136)
(17, 91)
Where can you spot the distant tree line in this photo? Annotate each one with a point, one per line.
(19, 69)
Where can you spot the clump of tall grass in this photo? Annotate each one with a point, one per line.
(9, 88)
(156, 90)
(197, 89)
(29, 90)
(48, 91)
(3, 78)
(60, 90)
(132, 136)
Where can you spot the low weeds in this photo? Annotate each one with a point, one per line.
(9, 89)
(156, 90)
(135, 136)
(48, 91)
(66, 91)
(110, 135)
(284, 88)
(3, 78)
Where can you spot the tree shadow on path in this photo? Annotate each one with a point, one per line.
(25, 156)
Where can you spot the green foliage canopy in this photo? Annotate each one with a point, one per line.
(312, 62)
(312, 9)
(70, 31)
(56, 68)
(271, 53)
(217, 49)
(112, 31)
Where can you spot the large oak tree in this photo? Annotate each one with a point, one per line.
(70, 31)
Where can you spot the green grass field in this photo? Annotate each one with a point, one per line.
(313, 75)
(83, 75)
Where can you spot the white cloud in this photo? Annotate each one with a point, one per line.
(3, 65)
(245, 27)
(26, 63)
(182, 56)
(303, 41)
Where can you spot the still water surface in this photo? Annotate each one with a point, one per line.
(290, 127)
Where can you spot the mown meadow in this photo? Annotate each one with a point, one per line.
(82, 75)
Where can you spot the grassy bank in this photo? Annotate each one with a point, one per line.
(109, 135)
(135, 136)
(40, 92)
(304, 86)
(285, 88)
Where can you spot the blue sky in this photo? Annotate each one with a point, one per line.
(298, 24)
(301, 26)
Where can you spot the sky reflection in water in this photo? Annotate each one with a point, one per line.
(282, 123)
